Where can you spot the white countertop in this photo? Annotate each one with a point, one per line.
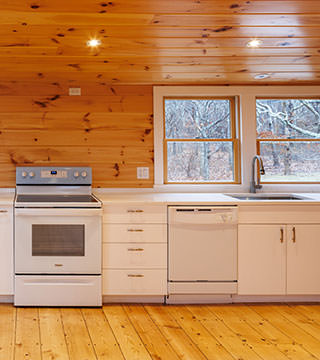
(196, 198)
(6, 198)
(106, 196)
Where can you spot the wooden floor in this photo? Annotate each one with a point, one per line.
(136, 332)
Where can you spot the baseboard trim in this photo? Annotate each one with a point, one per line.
(6, 299)
(111, 299)
(275, 298)
(198, 299)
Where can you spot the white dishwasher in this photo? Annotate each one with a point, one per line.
(202, 249)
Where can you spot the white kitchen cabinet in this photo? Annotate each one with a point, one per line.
(6, 250)
(261, 259)
(303, 263)
(277, 259)
(135, 249)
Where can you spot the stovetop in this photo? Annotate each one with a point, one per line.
(34, 198)
(54, 187)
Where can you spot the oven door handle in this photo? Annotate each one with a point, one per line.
(58, 212)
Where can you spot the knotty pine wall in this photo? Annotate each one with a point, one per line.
(109, 128)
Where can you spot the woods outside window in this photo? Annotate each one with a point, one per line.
(200, 140)
(288, 139)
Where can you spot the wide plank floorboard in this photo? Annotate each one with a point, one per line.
(161, 332)
(53, 342)
(7, 331)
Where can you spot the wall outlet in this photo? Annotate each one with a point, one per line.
(74, 91)
(142, 173)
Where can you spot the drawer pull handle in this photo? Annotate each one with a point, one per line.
(135, 230)
(136, 275)
(293, 234)
(281, 235)
(58, 265)
(135, 211)
(3, 211)
(135, 249)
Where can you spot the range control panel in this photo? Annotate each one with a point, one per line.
(36, 175)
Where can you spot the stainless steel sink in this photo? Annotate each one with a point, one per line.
(267, 197)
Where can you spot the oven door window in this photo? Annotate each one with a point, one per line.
(58, 240)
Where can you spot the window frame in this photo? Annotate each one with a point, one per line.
(234, 139)
(246, 96)
(278, 140)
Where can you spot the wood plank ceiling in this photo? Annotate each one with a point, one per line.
(43, 42)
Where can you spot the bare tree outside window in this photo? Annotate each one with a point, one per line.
(199, 140)
(288, 139)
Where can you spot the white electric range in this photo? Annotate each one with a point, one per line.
(57, 238)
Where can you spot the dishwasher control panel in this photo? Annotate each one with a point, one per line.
(204, 214)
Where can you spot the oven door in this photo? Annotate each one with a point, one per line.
(58, 241)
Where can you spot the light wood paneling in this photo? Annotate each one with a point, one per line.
(130, 32)
(43, 52)
(154, 332)
(112, 133)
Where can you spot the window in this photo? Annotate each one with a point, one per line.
(288, 139)
(200, 143)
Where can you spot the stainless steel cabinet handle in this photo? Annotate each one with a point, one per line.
(135, 249)
(281, 235)
(136, 275)
(3, 211)
(135, 230)
(293, 234)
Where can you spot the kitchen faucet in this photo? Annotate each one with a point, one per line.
(253, 185)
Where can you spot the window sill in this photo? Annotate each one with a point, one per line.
(236, 188)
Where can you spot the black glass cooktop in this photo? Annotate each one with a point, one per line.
(56, 199)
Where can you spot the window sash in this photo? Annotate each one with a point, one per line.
(259, 141)
(288, 140)
(233, 139)
(236, 162)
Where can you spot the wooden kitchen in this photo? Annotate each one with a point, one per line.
(159, 179)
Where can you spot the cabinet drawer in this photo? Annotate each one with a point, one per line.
(134, 282)
(127, 233)
(138, 255)
(135, 214)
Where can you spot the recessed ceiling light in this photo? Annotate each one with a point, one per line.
(261, 76)
(93, 42)
(254, 43)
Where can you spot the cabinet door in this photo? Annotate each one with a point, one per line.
(6, 252)
(303, 264)
(262, 259)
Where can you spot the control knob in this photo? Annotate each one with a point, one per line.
(31, 174)
(84, 174)
(76, 174)
(24, 174)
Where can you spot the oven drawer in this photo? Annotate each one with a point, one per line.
(62, 290)
(127, 233)
(135, 214)
(134, 282)
(138, 255)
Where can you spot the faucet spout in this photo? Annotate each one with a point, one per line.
(253, 184)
